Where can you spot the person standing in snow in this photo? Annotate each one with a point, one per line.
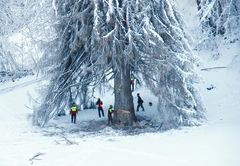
(73, 112)
(99, 104)
(140, 102)
(132, 82)
(110, 111)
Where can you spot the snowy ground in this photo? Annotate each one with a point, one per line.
(215, 143)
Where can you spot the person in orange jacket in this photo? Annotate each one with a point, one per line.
(132, 82)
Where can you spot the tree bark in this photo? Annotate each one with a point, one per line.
(124, 108)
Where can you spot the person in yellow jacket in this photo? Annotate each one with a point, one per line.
(73, 112)
(110, 112)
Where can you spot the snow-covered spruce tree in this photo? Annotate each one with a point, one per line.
(219, 17)
(100, 38)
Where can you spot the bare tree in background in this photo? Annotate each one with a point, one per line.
(7, 61)
(24, 26)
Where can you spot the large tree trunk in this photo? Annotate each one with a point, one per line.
(124, 108)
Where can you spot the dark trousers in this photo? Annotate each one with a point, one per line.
(140, 105)
(73, 117)
(100, 109)
(110, 119)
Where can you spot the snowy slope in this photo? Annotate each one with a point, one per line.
(216, 143)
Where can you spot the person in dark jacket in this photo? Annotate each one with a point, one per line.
(99, 104)
(73, 112)
(110, 112)
(140, 102)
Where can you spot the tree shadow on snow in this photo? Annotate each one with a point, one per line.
(93, 128)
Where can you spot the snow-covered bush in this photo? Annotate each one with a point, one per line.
(14, 74)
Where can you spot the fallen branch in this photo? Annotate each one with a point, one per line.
(69, 141)
(35, 157)
(28, 107)
(210, 68)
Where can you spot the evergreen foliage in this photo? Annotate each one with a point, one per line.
(219, 17)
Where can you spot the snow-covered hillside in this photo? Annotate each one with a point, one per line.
(216, 142)
(91, 142)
